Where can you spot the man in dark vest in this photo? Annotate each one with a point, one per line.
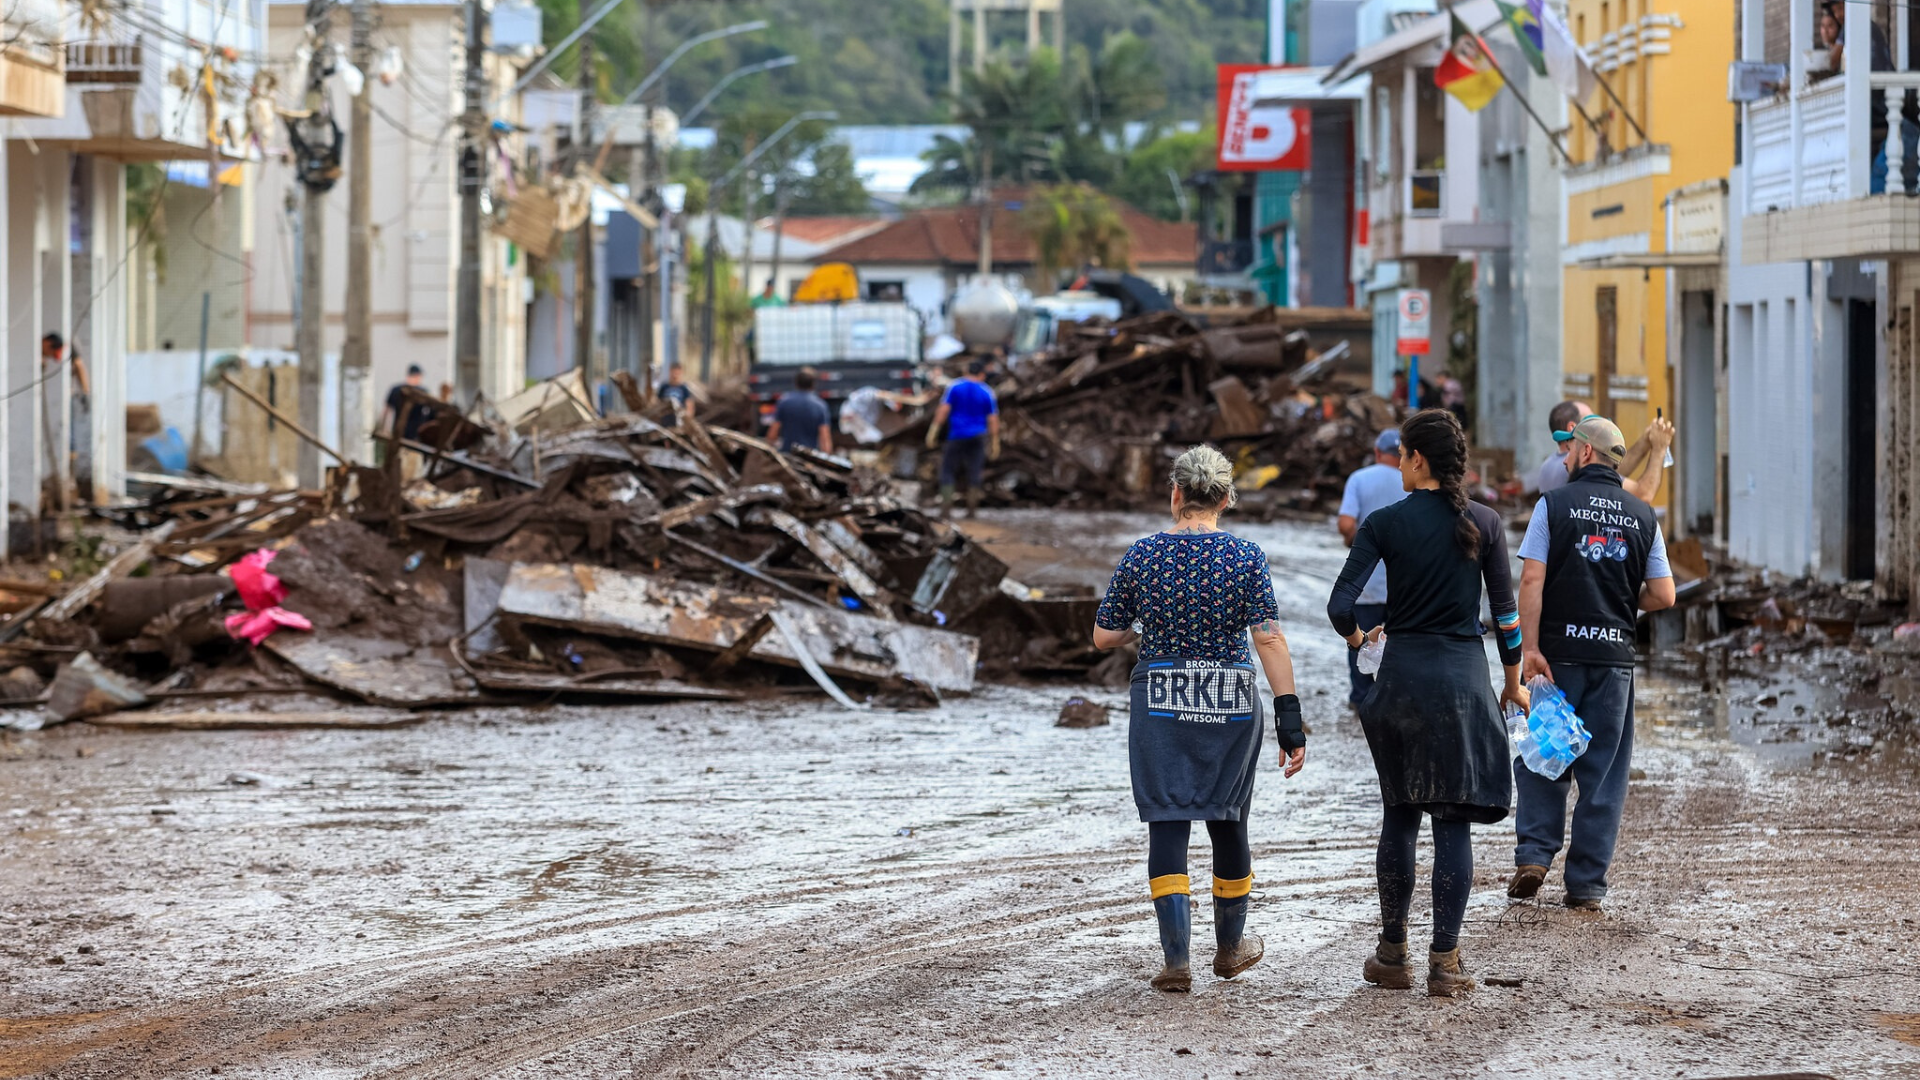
(1593, 556)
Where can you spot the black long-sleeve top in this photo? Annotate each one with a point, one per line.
(1431, 587)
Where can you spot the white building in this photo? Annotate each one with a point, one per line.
(1823, 374)
(155, 80)
(415, 212)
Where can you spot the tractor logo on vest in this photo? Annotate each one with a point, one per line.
(1609, 546)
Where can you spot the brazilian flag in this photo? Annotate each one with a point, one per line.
(1527, 31)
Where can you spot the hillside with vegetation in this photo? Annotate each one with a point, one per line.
(886, 62)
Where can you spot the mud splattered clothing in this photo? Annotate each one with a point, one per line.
(1193, 594)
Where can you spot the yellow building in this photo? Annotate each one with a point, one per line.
(1666, 60)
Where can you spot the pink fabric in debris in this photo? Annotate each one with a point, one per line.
(257, 626)
(258, 589)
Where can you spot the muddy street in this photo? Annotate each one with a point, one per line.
(785, 888)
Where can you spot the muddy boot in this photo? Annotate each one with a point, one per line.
(1525, 882)
(1238, 950)
(1388, 968)
(973, 503)
(1174, 908)
(946, 504)
(1445, 977)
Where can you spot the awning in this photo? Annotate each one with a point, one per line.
(1300, 86)
(1477, 14)
(1654, 260)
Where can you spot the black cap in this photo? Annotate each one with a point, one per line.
(414, 369)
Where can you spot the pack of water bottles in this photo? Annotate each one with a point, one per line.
(1548, 736)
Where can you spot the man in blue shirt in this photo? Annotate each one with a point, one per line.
(1369, 489)
(801, 418)
(972, 417)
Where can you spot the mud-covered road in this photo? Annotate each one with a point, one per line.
(787, 889)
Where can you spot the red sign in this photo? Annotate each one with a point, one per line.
(1255, 136)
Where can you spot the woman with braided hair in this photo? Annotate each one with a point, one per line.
(1189, 596)
(1431, 720)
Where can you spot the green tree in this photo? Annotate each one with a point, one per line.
(1154, 168)
(1073, 225)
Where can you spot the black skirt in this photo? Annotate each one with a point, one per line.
(1433, 723)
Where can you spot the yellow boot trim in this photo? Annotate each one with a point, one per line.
(1169, 885)
(1232, 890)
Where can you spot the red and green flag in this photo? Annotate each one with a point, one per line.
(1527, 31)
(1466, 72)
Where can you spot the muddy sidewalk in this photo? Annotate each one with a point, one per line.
(789, 889)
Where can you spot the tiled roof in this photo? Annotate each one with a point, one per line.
(828, 230)
(950, 235)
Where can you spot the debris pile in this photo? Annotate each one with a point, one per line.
(1093, 422)
(537, 552)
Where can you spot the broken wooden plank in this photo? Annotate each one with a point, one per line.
(843, 536)
(844, 643)
(242, 721)
(835, 560)
(699, 508)
(76, 599)
(1238, 414)
(553, 683)
(291, 424)
(378, 670)
(737, 566)
(797, 643)
(738, 651)
(206, 484)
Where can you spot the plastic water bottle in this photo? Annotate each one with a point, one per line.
(1548, 737)
(1520, 731)
(1370, 653)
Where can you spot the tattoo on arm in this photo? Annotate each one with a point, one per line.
(1267, 626)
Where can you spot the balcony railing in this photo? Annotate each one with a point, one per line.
(104, 62)
(1784, 172)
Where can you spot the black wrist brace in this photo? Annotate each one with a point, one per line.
(1287, 727)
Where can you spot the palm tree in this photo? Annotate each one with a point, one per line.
(953, 166)
(1073, 225)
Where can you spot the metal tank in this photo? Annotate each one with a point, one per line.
(984, 315)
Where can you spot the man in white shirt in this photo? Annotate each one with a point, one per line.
(1369, 489)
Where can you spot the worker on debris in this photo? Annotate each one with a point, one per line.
(1189, 596)
(411, 414)
(1432, 722)
(801, 418)
(1641, 456)
(676, 393)
(972, 416)
(1592, 558)
(1368, 489)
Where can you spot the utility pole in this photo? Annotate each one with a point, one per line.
(310, 340)
(986, 208)
(356, 351)
(583, 287)
(780, 196)
(473, 124)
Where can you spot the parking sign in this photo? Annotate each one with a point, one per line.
(1415, 323)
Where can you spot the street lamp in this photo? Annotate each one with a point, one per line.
(731, 76)
(712, 35)
(713, 219)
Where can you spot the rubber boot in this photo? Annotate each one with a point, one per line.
(946, 504)
(1388, 967)
(1238, 950)
(973, 503)
(1174, 908)
(1445, 977)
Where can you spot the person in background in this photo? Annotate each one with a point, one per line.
(412, 414)
(1640, 472)
(1368, 489)
(1432, 723)
(1593, 557)
(52, 350)
(801, 418)
(972, 416)
(677, 394)
(1189, 596)
(768, 297)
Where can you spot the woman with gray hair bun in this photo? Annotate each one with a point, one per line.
(1189, 595)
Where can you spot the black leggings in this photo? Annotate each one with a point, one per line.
(1167, 848)
(1452, 875)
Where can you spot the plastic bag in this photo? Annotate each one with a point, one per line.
(1371, 653)
(1548, 736)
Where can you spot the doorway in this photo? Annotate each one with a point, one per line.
(1606, 311)
(1694, 438)
(1862, 457)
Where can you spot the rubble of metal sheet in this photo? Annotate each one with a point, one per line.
(1094, 422)
(500, 559)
